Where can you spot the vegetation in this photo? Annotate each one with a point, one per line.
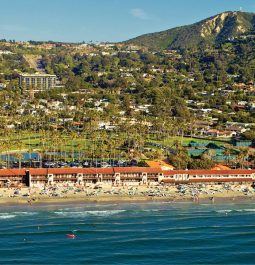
(126, 102)
(211, 31)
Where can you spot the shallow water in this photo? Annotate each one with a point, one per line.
(128, 233)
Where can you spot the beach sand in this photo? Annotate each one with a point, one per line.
(210, 193)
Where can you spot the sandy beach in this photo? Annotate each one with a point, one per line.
(195, 193)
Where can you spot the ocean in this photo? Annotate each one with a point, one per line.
(128, 233)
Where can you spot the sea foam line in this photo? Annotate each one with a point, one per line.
(88, 213)
(16, 214)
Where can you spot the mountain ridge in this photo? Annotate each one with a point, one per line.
(212, 30)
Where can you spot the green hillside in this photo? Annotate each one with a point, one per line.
(213, 30)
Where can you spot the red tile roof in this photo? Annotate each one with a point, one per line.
(111, 171)
(208, 180)
(88, 171)
(137, 170)
(12, 172)
(210, 172)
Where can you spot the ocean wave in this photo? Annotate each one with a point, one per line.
(16, 214)
(88, 213)
(71, 209)
(152, 210)
(86, 208)
(7, 216)
(25, 213)
(105, 212)
(224, 211)
(235, 210)
(245, 210)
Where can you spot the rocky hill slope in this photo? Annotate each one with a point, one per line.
(214, 30)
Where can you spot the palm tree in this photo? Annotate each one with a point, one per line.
(79, 147)
(2, 148)
(74, 137)
(243, 155)
(43, 144)
(227, 152)
(19, 145)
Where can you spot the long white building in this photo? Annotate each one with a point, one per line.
(38, 177)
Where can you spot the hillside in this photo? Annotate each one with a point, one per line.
(34, 62)
(213, 30)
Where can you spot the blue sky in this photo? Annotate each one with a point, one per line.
(104, 20)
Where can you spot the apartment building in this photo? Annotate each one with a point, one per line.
(37, 81)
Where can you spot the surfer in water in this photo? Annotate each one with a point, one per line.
(71, 235)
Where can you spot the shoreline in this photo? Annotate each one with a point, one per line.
(120, 199)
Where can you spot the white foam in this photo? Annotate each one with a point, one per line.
(236, 210)
(224, 211)
(25, 213)
(16, 214)
(246, 210)
(88, 213)
(7, 216)
(70, 209)
(105, 213)
(152, 210)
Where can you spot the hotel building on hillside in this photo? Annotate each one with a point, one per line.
(37, 81)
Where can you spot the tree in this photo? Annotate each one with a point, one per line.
(180, 161)
(249, 135)
(201, 163)
(243, 156)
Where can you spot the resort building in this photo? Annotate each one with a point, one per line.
(37, 82)
(120, 176)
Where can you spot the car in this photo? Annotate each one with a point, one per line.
(133, 163)
(75, 164)
(105, 164)
(62, 164)
(86, 164)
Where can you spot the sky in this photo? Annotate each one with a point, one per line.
(104, 20)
